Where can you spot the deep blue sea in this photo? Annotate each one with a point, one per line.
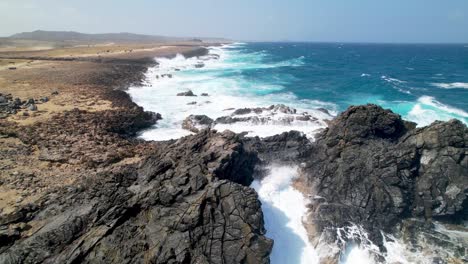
(422, 83)
(430, 80)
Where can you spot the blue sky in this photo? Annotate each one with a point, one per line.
(296, 20)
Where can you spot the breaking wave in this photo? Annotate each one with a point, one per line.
(217, 74)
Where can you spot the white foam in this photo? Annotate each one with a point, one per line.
(283, 208)
(226, 88)
(454, 85)
(392, 80)
(428, 110)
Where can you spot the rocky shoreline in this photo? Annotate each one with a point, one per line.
(90, 192)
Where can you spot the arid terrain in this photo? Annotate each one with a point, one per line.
(66, 84)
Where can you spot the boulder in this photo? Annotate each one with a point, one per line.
(32, 107)
(188, 93)
(195, 123)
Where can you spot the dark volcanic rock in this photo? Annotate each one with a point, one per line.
(188, 93)
(195, 123)
(187, 203)
(289, 147)
(373, 169)
(275, 114)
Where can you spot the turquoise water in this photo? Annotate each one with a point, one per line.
(423, 83)
(420, 82)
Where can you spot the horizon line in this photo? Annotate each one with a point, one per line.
(264, 41)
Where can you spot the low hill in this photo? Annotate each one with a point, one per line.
(41, 35)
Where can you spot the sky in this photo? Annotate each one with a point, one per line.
(401, 21)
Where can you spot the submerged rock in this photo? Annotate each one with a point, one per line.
(274, 114)
(188, 93)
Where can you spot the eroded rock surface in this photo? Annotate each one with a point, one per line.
(188, 202)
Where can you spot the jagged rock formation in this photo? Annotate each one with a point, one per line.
(288, 147)
(188, 202)
(371, 168)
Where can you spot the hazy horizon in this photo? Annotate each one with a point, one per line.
(398, 21)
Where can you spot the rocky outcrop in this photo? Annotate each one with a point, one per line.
(274, 114)
(188, 202)
(195, 123)
(371, 168)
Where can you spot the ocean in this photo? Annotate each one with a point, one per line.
(422, 83)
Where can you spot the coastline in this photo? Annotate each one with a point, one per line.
(84, 164)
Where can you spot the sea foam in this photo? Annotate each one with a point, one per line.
(283, 208)
(227, 91)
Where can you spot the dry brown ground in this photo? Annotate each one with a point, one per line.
(83, 84)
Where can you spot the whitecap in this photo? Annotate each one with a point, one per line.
(392, 80)
(454, 85)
